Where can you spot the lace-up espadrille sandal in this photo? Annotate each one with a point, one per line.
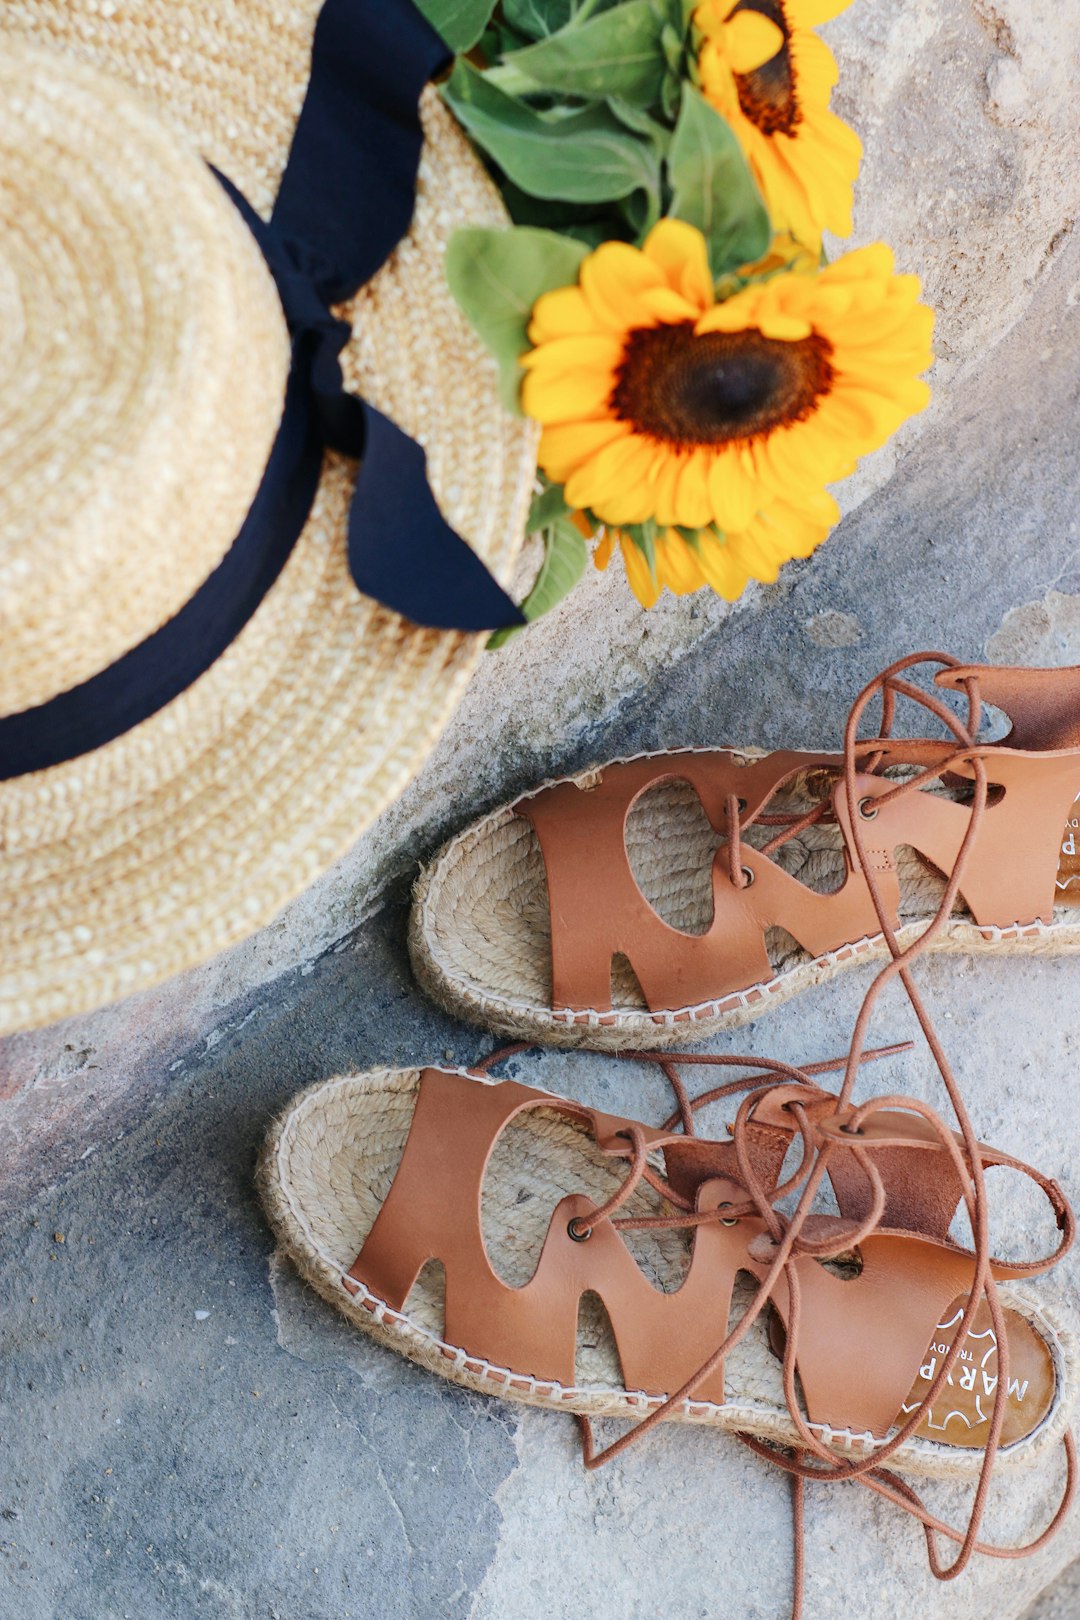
(483, 1229)
(663, 898)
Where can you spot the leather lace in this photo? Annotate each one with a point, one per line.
(790, 1237)
(866, 759)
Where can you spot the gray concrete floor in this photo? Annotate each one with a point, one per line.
(1061, 1601)
(186, 1431)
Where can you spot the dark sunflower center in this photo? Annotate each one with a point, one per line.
(688, 390)
(767, 95)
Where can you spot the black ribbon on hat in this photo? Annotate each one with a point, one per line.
(346, 199)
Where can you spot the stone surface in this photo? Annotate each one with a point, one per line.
(1060, 1601)
(188, 1431)
(352, 1483)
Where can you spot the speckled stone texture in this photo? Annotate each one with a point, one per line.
(1060, 1601)
(188, 1431)
(262, 1461)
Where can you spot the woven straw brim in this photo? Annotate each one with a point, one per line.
(137, 412)
(176, 840)
(325, 1171)
(480, 930)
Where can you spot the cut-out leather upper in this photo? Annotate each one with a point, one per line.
(861, 1343)
(598, 910)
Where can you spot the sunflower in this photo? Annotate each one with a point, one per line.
(661, 406)
(770, 76)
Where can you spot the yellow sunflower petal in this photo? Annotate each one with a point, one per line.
(602, 554)
(638, 577)
(887, 331)
(735, 314)
(721, 567)
(733, 497)
(813, 13)
(680, 252)
(874, 262)
(665, 483)
(880, 417)
(760, 562)
(844, 144)
(676, 565)
(749, 40)
(613, 482)
(817, 509)
(882, 369)
(564, 312)
(803, 460)
(563, 447)
(785, 328)
(711, 16)
(816, 71)
(664, 304)
(587, 353)
(565, 396)
(611, 279)
(787, 531)
(692, 502)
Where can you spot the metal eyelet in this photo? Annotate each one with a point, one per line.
(867, 815)
(742, 806)
(749, 874)
(726, 1220)
(577, 1233)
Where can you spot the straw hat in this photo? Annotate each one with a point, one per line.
(151, 355)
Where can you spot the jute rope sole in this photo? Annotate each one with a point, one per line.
(480, 932)
(327, 1166)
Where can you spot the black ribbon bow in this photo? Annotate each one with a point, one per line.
(345, 201)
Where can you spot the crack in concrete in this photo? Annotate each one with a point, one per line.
(379, 1474)
(517, 1441)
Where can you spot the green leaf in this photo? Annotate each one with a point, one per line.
(592, 223)
(497, 275)
(534, 17)
(565, 559)
(713, 188)
(641, 210)
(616, 54)
(671, 42)
(670, 97)
(460, 22)
(546, 507)
(539, 18)
(582, 156)
(498, 38)
(637, 119)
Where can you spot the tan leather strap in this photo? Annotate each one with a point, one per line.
(1043, 704)
(598, 911)
(862, 1341)
(432, 1212)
